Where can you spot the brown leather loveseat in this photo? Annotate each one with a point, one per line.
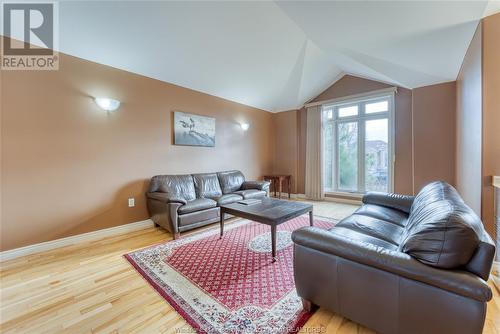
(400, 264)
(182, 202)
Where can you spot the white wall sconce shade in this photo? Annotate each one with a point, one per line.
(107, 104)
(245, 126)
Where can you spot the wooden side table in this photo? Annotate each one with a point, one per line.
(277, 183)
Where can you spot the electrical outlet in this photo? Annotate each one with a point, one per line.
(131, 202)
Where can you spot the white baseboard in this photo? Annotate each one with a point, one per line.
(495, 274)
(344, 200)
(58, 243)
(496, 265)
(329, 199)
(292, 196)
(495, 268)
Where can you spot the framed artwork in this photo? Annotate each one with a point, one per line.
(193, 130)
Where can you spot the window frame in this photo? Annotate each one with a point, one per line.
(361, 119)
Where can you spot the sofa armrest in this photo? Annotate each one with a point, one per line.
(163, 212)
(394, 201)
(165, 198)
(398, 263)
(259, 185)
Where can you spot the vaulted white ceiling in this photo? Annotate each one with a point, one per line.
(273, 55)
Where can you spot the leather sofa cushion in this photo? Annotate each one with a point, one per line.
(383, 213)
(251, 193)
(197, 205)
(348, 233)
(228, 199)
(434, 191)
(390, 200)
(207, 185)
(198, 218)
(373, 227)
(442, 231)
(230, 181)
(177, 186)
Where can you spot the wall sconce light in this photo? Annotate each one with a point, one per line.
(245, 126)
(105, 103)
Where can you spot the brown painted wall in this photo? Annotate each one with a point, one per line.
(350, 85)
(491, 116)
(68, 167)
(403, 166)
(434, 123)
(285, 161)
(434, 134)
(469, 125)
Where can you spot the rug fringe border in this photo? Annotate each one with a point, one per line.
(163, 294)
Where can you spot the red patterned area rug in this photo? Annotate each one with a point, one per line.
(229, 285)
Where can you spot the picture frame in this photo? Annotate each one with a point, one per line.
(193, 130)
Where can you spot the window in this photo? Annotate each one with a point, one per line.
(348, 111)
(357, 145)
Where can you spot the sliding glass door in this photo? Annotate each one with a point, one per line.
(357, 145)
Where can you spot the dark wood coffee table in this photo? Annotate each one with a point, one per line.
(269, 211)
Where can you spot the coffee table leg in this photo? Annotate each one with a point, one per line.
(311, 218)
(273, 242)
(221, 224)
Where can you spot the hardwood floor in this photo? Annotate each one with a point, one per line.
(91, 288)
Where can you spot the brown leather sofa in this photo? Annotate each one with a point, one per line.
(182, 202)
(400, 264)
